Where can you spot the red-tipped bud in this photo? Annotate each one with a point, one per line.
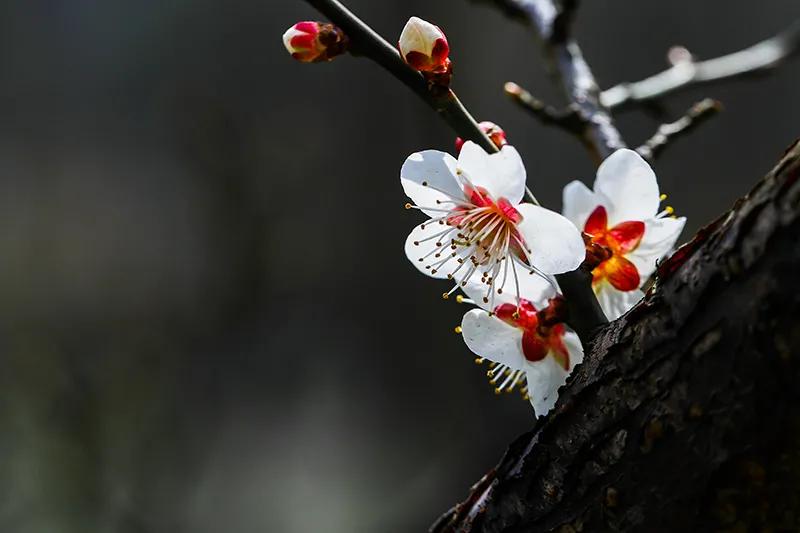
(492, 130)
(312, 42)
(424, 46)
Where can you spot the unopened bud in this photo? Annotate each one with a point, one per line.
(424, 46)
(492, 130)
(313, 42)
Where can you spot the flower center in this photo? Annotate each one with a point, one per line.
(481, 235)
(620, 240)
(537, 340)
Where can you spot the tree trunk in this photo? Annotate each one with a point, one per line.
(683, 416)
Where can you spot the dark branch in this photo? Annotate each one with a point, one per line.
(757, 59)
(552, 25)
(365, 41)
(667, 133)
(562, 25)
(685, 411)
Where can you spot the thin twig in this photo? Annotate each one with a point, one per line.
(552, 25)
(667, 133)
(757, 59)
(365, 41)
(568, 120)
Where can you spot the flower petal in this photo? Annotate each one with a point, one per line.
(574, 347)
(532, 287)
(421, 244)
(627, 235)
(616, 303)
(630, 186)
(621, 273)
(502, 173)
(597, 223)
(430, 176)
(544, 378)
(555, 243)
(489, 337)
(419, 36)
(579, 202)
(659, 239)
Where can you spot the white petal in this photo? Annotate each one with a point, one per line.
(616, 303)
(419, 35)
(660, 236)
(630, 185)
(437, 170)
(290, 34)
(423, 250)
(574, 347)
(502, 173)
(579, 202)
(489, 337)
(544, 378)
(532, 287)
(556, 244)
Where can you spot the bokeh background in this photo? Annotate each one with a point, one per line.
(208, 323)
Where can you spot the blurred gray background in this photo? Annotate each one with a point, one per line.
(208, 322)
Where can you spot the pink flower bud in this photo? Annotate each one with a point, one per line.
(424, 46)
(312, 42)
(492, 130)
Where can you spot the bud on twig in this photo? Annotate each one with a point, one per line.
(492, 130)
(314, 42)
(424, 47)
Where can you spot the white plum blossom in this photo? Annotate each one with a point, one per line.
(525, 351)
(622, 214)
(478, 231)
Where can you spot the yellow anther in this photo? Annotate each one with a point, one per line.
(479, 360)
(669, 210)
(458, 329)
(497, 391)
(460, 299)
(663, 197)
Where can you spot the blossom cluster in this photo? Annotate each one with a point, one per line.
(501, 252)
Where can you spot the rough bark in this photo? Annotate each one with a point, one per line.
(684, 415)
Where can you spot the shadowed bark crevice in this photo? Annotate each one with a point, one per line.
(684, 414)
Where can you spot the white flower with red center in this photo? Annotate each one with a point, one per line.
(523, 341)
(622, 214)
(424, 46)
(479, 231)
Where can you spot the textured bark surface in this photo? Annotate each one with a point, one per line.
(683, 416)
